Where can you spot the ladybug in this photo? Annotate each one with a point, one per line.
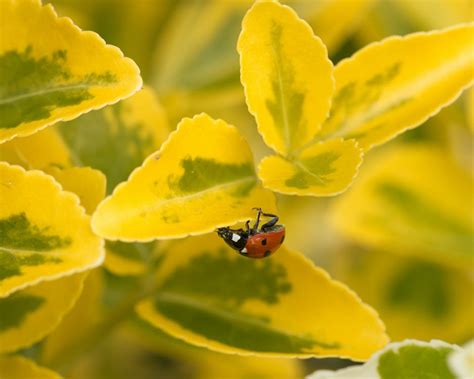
(255, 242)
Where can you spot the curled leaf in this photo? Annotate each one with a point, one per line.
(283, 306)
(286, 74)
(45, 234)
(202, 178)
(322, 169)
(50, 70)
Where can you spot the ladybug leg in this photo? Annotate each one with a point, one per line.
(255, 227)
(247, 226)
(270, 223)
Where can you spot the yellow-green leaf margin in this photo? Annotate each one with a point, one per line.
(202, 178)
(278, 307)
(288, 82)
(50, 70)
(45, 233)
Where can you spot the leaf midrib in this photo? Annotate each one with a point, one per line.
(18, 252)
(200, 193)
(282, 96)
(49, 90)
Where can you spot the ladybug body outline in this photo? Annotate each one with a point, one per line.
(255, 242)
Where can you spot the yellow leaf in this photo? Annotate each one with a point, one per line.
(413, 200)
(398, 83)
(470, 108)
(55, 71)
(117, 139)
(322, 169)
(85, 314)
(40, 150)
(286, 74)
(31, 314)
(202, 178)
(88, 184)
(282, 306)
(45, 233)
(17, 367)
(127, 258)
(416, 298)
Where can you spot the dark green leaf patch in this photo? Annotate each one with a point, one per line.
(314, 171)
(201, 174)
(15, 308)
(432, 224)
(132, 251)
(108, 144)
(16, 232)
(10, 263)
(206, 295)
(361, 96)
(421, 287)
(31, 88)
(415, 362)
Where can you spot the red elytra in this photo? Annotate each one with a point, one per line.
(263, 244)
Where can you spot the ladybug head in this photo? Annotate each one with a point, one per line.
(236, 239)
(224, 233)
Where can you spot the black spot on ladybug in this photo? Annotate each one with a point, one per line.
(267, 253)
(282, 239)
(264, 241)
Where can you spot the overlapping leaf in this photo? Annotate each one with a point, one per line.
(413, 200)
(416, 298)
(407, 359)
(273, 307)
(18, 367)
(50, 70)
(381, 91)
(43, 149)
(322, 169)
(45, 234)
(202, 178)
(118, 138)
(385, 88)
(30, 314)
(88, 184)
(288, 84)
(286, 74)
